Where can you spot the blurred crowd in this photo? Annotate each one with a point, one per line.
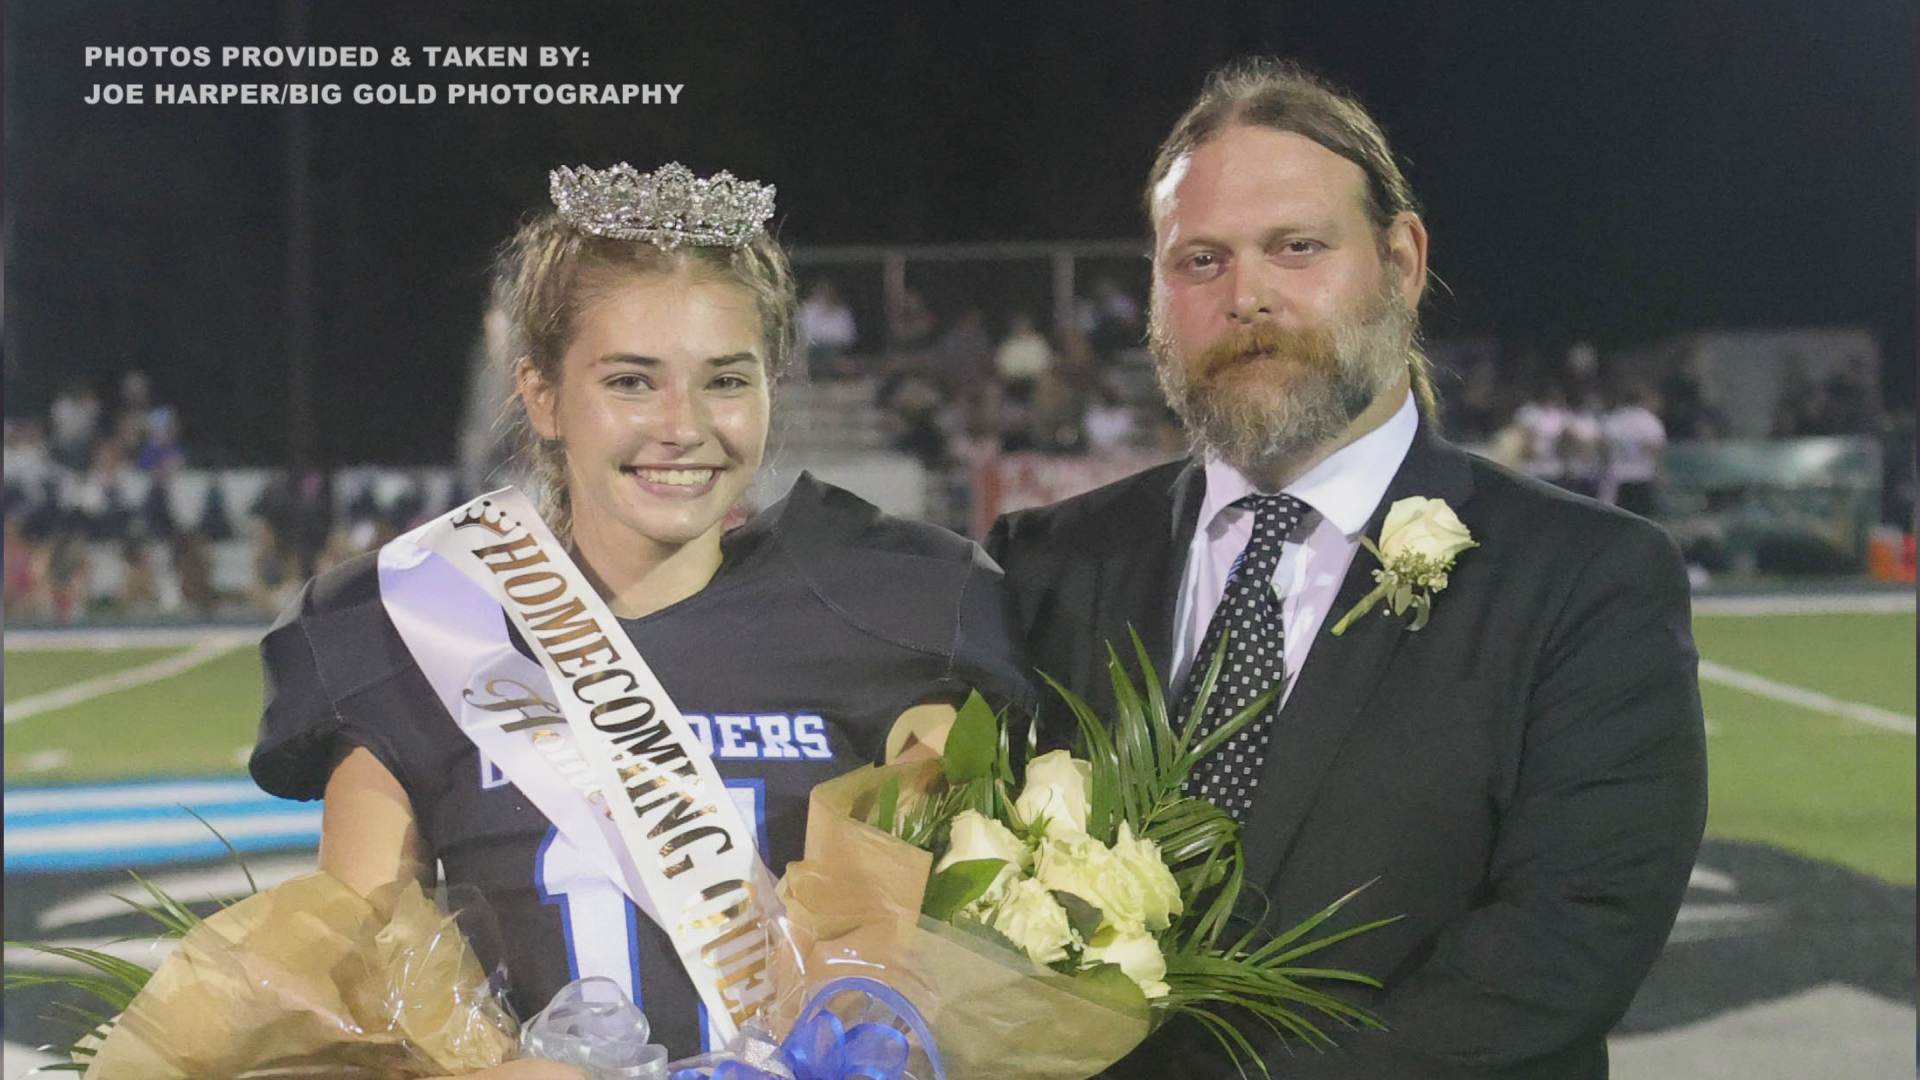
(956, 386)
(86, 476)
(1572, 429)
(962, 387)
(1570, 425)
(104, 515)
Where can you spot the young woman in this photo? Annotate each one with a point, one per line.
(647, 347)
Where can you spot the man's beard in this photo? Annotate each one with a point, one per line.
(1266, 392)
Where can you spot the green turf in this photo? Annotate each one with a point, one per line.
(1830, 788)
(30, 673)
(1800, 779)
(190, 724)
(1782, 774)
(1864, 658)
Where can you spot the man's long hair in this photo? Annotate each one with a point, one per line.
(1281, 96)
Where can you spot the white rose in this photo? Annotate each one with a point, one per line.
(1085, 867)
(1057, 789)
(1139, 958)
(973, 835)
(1160, 894)
(1032, 919)
(1427, 527)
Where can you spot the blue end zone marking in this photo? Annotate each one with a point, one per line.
(153, 854)
(141, 823)
(77, 815)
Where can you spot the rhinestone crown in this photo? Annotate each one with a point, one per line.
(669, 206)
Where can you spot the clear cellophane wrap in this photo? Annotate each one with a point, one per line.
(307, 978)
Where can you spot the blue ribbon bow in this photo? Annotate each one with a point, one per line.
(822, 1047)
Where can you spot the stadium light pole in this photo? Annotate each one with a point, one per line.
(299, 299)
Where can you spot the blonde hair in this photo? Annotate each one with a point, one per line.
(551, 271)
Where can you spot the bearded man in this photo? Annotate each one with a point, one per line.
(1504, 737)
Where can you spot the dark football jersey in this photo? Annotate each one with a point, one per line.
(826, 620)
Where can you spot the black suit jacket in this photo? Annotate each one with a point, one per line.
(1525, 776)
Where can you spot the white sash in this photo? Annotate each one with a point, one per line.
(670, 835)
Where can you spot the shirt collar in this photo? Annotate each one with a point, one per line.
(1345, 488)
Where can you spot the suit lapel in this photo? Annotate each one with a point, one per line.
(1341, 673)
(1159, 559)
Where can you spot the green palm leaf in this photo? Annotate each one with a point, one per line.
(113, 981)
(1223, 971)
(1163, 739)
(1201, 695)
(1101, 756)
(233, 853)
(1288, 937)
(117, 982)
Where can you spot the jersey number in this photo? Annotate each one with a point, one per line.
(601, 925)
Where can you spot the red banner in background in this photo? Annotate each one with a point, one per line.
(1009, 482)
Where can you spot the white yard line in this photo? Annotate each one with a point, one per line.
(1829, 1030)
(48, 759)
(164, 668)
(1871, 603)
(18, 1061)
(228, 882)
(1885, 719)
(206, 795)
(132, 637)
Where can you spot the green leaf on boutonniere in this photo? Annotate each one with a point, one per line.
(959, 885)
(1422, 611)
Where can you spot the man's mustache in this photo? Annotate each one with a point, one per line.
(1266, 340)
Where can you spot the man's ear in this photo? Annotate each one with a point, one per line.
(1407, 252)
(539, 397)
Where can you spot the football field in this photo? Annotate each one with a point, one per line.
(1804, 892)
(1809, 722)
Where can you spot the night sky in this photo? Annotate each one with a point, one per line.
(1617, 172)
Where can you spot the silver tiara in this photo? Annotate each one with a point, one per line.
(669, 206)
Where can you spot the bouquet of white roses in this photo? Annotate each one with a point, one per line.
(1096, 877)
(1055, 892)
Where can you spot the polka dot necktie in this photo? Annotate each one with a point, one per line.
(1249, 613)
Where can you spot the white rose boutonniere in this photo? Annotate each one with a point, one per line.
(1418, 543)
